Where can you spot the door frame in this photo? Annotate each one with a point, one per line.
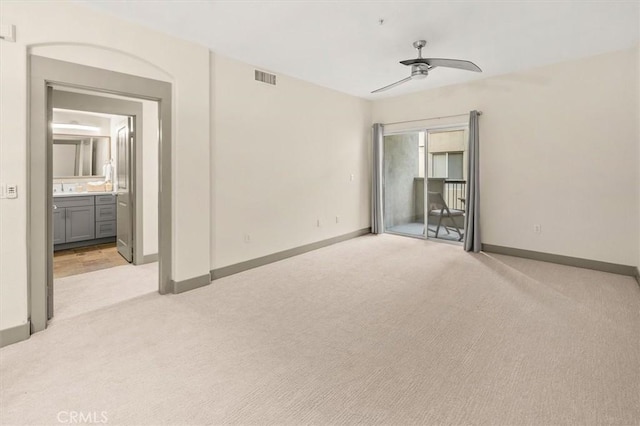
(78, 101)
(44, 74)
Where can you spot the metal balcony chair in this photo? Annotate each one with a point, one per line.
(438, 207)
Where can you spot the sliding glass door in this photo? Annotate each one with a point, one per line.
(404, 159)
(425, 183)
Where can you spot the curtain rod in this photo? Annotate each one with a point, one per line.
(431, 118)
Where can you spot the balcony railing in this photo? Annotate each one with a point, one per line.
(454, 193)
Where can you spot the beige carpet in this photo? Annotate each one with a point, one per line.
(376, 330)
(78, 294)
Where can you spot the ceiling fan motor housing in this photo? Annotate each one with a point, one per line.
(419, 71)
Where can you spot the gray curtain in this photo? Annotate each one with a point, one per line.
(377, 224)
(472, 218)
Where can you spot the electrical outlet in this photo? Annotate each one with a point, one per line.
(337, 219)
(247, 238)
(352, 177)
(537, 228)
(318, 223)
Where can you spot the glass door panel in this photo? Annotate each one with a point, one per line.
(404, 157)
(446, 183)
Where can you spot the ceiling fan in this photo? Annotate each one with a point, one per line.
(420, 66)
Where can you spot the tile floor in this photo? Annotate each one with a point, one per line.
(86, 259)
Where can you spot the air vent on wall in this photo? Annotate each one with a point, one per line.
(265, 77)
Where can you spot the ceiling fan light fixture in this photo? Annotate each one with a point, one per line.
(420, 66)
(419, 71)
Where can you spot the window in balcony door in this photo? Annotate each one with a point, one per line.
(454, 165)
(447, 165)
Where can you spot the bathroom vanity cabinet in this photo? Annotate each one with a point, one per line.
(83, 219)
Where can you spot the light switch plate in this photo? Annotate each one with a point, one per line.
(12, 191)
(8, 32)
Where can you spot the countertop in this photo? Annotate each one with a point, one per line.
(80, 194)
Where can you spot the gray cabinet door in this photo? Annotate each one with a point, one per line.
(59, 226)
(81, 224)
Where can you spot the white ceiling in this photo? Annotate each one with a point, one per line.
(341, 45)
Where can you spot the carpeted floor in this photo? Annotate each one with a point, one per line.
(416, 229)
(79, 294)
(375, 330)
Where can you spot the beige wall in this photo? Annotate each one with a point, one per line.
(283, 157)
(70, 32)
(559, 147)
(448, 140)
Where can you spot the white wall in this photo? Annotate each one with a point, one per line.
(283, 158)
(559, 147)
(71, 32)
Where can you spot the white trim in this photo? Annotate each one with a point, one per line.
(463, 126)
(425, 129)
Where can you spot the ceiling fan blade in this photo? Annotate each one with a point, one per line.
(397, 83)
(414, 61)
(452, 63)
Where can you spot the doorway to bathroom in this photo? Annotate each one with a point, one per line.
(90, 159)
(98, 198)
(424, 179)
(47, 75)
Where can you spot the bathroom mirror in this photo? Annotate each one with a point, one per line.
(79, 155)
